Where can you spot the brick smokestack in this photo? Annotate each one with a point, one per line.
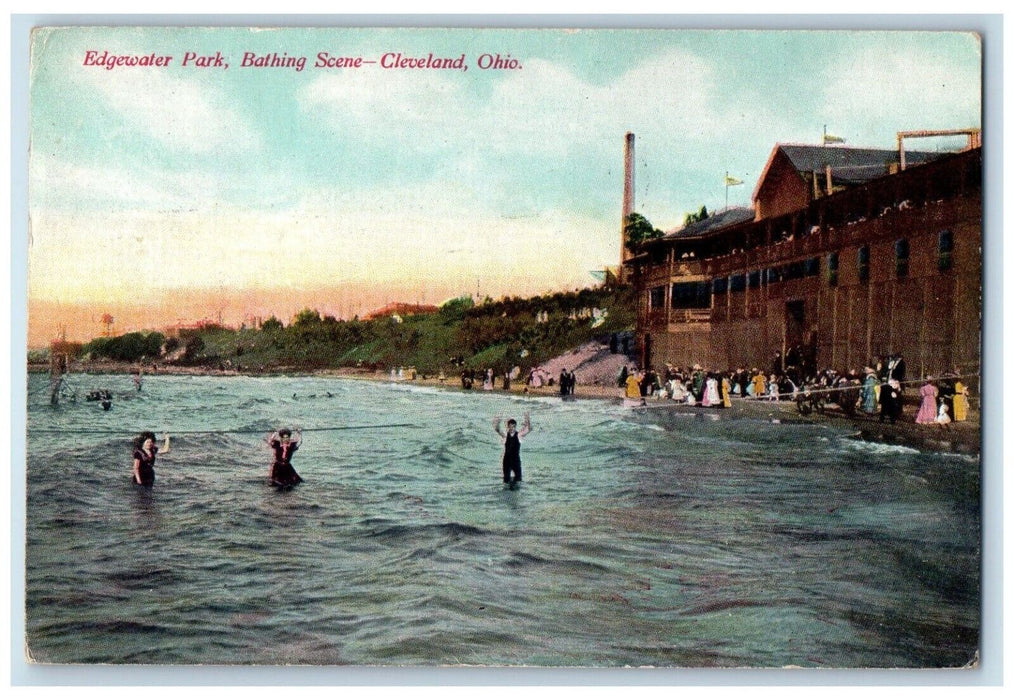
(628, 196)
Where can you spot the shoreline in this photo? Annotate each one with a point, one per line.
(962, 438)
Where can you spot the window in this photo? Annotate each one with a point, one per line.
(691, 295)
(754, 280)
(737, 283)
(720, 285)
(863, 263)
(945, 247)
(794, 270)
(832, 269)
(901, 257)
(774, 274)
(656, 298)
(811, 267)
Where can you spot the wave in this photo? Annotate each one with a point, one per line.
(145, 579)
(524, 560)
(722, 605)
(878, 448)
(450, 530)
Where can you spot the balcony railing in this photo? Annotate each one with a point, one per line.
(690, 316)
(658, 317)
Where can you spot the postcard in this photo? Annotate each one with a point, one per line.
(461, 347)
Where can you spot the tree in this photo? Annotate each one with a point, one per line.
(307, 317)
(638, 230)
(193, 347)
(692, 218)
(130, 347)
(271, 324)
(454, 310)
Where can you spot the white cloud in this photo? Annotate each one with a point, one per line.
(58, 185)
(551, 106)
(541, 109)
(179, 113)
(411, 105)
(54, 181)
(890, 89)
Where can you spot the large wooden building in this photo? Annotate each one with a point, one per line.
(848, 254)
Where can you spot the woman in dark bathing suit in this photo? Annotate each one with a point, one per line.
(282, 444)
(512, 448)
(145, 450)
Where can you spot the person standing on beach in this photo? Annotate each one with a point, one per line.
(960, 399)
(928, 407)
(283, 445)
(772, 388)
(699, 384)
(869, 392)
(512, 448)
(145, 450)
(633, 388)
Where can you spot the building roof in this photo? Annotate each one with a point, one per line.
(849, 164)
(717, 220)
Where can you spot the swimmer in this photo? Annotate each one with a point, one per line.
(283, 445)
(145, 450)
(512, 448)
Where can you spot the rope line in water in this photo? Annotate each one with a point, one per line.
(251, 431)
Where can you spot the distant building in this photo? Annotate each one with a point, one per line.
(401, 309)
(844, 257)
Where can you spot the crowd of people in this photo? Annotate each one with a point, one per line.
(879, 389)
(536, 377)
(487, 378)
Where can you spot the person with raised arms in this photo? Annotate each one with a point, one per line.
(512, 448)
(281, 442)
(145, 450)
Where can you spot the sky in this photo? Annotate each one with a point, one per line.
(172, 193)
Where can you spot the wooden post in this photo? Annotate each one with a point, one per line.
(869, 317)
(57, 367)
(923, 330)
(834, 327)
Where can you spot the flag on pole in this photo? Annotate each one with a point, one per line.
(828, 138)
(731, 181)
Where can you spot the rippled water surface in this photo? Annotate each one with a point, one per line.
(662, 539)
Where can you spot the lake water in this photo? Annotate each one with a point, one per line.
(638, 538)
